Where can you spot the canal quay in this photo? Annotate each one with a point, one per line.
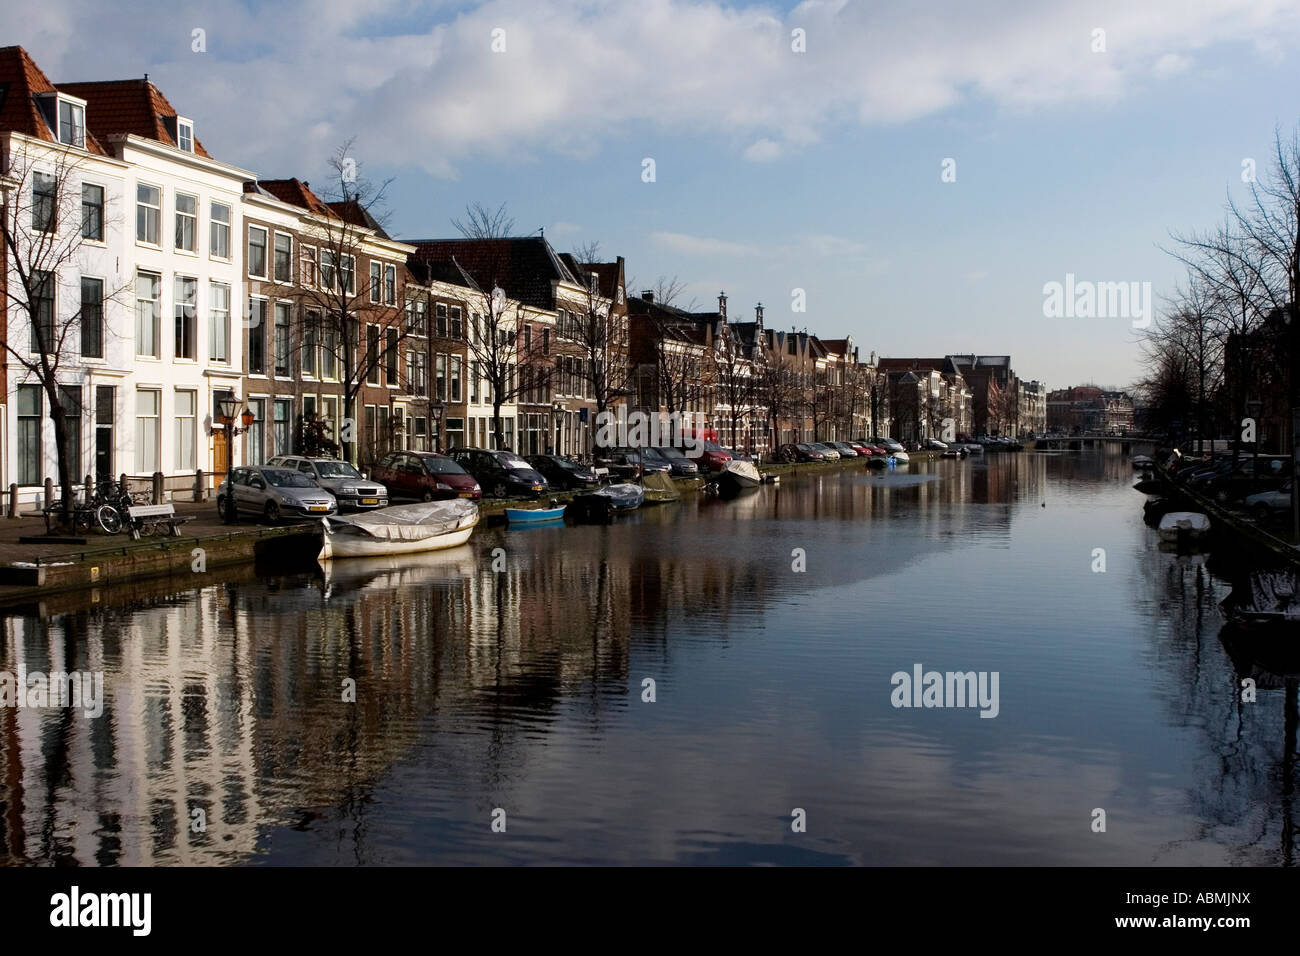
(673, 687)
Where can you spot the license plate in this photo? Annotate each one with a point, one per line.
(370, 501)
(537, 487)
(319, 508)
(467, 494)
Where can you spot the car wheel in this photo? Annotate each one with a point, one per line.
(272, 512)
(428, 495)
(1263, 514)
(500, 490)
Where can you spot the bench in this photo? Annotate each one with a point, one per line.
(146, 519)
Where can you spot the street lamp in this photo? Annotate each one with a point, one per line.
(436, 410)
(557, 412)
(226, 408)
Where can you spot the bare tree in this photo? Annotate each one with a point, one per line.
(480, 222)
(780, 382)
(601, 335)
(356, 319)
(733, 379)
(44, 241)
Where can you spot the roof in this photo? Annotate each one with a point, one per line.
(525, 268)
(947, 365)
(137, 107)
(21, 80)
(295, 192)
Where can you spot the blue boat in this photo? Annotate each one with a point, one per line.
(533, 515)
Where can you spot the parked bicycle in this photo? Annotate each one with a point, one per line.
(107, 511)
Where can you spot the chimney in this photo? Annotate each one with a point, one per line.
(648, 295)
(722, 304)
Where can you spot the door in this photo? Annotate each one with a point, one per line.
(105, 401)
(220, 456)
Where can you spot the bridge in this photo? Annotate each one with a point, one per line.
(1080, 442)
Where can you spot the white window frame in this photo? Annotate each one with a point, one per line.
(183, 124)
(213, 222)
(274, 278)
(194, 226)
(266, 252)
(157, 215)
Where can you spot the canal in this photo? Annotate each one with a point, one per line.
(702, 683)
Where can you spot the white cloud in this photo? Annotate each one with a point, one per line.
(430, 92)
(701, 245)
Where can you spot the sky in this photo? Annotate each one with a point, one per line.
(920, 172)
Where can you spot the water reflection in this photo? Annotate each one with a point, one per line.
(509, 673)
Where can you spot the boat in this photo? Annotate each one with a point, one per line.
(1149, 486)
(899, 458)
(1143, 461)
(401, 529)
(738, 475)
(659, 489)
(599, 505)
(1264, 597)
(534, 515)
(1183, 525)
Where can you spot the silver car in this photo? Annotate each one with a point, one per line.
(345, 483)
(275, 493)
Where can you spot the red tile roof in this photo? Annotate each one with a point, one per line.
(296, 193)
(20, 81)
(127, 106)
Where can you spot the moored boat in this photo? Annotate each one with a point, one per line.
(402, 529)
(738, 475)
(534, 515)
(1266, 596)
(659, 489)
(1183, 525)
(598, 505)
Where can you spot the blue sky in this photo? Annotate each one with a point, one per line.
(775, 170)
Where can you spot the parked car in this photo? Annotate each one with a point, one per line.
(274, 493)
(563, 473)
(426, 476)
(653, 460)
(738, 455)
(350, 488)
(933, 444)
(844, 448)
(798, 451)
(713, 457)
(864, 450)
(829, 453)
(503, 473)
(1268, 505)
(683, 465)
(1232, 481)
(888, 444)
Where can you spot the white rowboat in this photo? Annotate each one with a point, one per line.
(402, 529)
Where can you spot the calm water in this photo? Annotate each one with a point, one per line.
(521, 689)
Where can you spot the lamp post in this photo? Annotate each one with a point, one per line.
(436, 410)
(226, 408)
(557, 413)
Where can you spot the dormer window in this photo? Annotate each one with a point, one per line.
(185, 134)
(66, 117)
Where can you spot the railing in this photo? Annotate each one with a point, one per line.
(151, 489)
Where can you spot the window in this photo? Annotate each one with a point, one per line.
(376, 283)
(417, 371)
(307, 266)
(440, 377)
(185, 134)
(390, 285)
(72, 124)
(219, 230)
(187, 404)
(454, 391)
(256, 431)
(416, 317)
(256, 336)
(546, 341)
(148, 214)
(528, 338)
(328, 271)
(282, 426)
(92, 212)
(70, 398)
(391, 355)
(283, 257)
(92, 317)
(42, 327)
(348, 274)
(105, 403)
(148, 290)
(29, 434)
(282, 364)
(44, 198)
(474, 376)
(186, 295)
(372, 354)
(219, 330)
(147, 421)
(310, 325)
(440, 320)
(329, 354)
(187, 223)
(257, 251)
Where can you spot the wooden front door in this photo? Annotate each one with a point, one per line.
(220, 458)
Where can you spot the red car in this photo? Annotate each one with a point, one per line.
(712, 457)
(865, 451)
(425, 476)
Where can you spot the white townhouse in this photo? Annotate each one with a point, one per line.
(65, 206)
(184, 265)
